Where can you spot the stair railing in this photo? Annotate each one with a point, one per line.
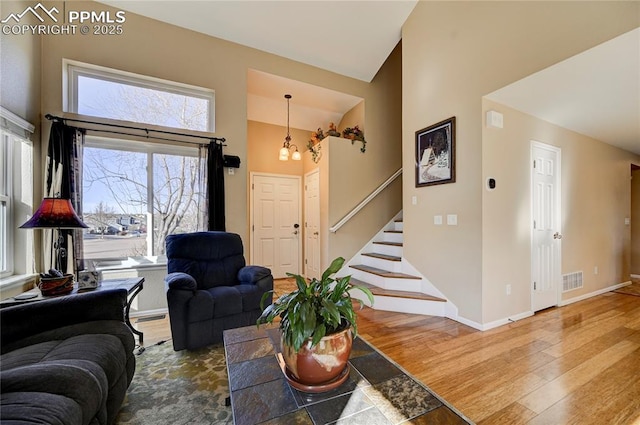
(364, 202)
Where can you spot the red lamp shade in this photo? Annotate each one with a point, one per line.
(55, 213)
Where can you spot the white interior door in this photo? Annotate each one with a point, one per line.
(546, 236)
(276, 223)
(312, 224)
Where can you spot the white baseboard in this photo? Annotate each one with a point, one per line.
(149, 312)
(635, 276)
(594, 293)
(495, 323)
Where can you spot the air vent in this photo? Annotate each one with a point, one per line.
(571, 281)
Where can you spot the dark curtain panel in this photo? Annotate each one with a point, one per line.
(64, 180)
(215, 187)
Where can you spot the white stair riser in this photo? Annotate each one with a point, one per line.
(395, 284)
(398, 225)
(406, 305)
(379, 263)
(392, 237)
(387, 249)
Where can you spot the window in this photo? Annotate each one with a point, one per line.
(16, 194)
(134, 195)
(107, 93)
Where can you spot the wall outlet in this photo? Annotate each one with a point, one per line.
(231, 171)
(508, 289)
(437, 220)
(595, 270)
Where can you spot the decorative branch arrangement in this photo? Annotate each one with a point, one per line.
(355, 134)
(351, 133)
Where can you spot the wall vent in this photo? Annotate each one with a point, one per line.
(571, 281)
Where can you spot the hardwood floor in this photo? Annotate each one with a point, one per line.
(578, 364)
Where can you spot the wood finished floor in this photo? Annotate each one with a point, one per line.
(578, 364)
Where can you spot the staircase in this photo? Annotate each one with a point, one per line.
(395, 284)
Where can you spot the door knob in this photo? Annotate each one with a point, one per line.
(557, 235)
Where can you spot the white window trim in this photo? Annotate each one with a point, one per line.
(12, 125)
(71, 70)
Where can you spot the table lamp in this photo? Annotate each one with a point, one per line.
(56, 213)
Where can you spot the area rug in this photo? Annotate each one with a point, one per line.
(177, 388)
(633, 289)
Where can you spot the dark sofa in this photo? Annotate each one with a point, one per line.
(210, 288)
(66, 360)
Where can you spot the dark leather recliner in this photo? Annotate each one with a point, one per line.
(209, 287)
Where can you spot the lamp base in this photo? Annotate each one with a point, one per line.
(56, 285)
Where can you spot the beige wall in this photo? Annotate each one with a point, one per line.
(164, 51)
(263, 144)
(595, 189)
(635, 220)
(20, 94)
(453, 54)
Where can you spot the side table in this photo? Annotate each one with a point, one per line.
(133, 286)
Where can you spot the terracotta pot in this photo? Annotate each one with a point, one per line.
(321, 363)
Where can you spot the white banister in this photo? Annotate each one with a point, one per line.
(366, 200)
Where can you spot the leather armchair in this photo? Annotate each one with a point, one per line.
(210, 288)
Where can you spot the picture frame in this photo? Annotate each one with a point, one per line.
(436, 153)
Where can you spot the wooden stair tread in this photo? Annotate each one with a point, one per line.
(389, 243)
(376, 290)
(383, 273)
(383, 256)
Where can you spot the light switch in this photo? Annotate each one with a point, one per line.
(627, 221)
(414, 200)
(231, 171)
(437, 220)
(452, 219)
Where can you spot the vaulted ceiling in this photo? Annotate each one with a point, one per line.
(596, 93)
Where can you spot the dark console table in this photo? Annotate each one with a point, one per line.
(132, 285)
(377, 391)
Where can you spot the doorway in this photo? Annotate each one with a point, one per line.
(275, 223)
(546, 236)
(312, 224)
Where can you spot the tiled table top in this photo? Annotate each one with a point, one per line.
(376, 392)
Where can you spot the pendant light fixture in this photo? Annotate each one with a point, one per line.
(287, 146)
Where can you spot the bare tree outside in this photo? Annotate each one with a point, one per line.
(120, 174)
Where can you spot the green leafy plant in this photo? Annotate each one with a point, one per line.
(317, 308)
(353, 134)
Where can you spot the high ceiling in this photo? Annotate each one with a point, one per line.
(596, 93)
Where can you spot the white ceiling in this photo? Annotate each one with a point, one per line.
(596, 93)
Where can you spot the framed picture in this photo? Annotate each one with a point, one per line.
(436, 153)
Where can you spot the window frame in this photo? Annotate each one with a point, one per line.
(15, 132)
(148, 148)
(72, 70)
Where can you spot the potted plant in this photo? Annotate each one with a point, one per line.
(318, 324)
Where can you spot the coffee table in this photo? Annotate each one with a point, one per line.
(378, 391)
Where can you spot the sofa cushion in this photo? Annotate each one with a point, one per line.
(228, 300)
(105, 351)
(39, 408)
(77, 385)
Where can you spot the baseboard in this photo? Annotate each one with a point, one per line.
(635, 276)
(594, 293)
(149, 312)
(495, 323)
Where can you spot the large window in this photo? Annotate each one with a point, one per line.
(16, 198)
(107, 93)
(136, 193)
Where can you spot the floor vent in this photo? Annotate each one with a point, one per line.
(150, 318)
(571, 281)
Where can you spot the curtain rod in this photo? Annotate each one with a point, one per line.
(129, 127)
